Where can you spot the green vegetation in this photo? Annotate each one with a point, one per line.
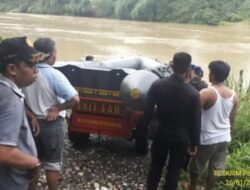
(238, 159)
(241, 135)
(210, 12)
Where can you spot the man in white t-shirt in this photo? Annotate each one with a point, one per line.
(219, 105)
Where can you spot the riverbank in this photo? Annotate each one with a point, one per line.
(111, 164)
(108, 164)
(180, 11)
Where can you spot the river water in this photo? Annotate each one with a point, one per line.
(108, 39)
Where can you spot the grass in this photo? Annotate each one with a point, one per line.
(238, 158)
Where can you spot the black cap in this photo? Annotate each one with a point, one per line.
(198, 71)
(193, 66)
(19, 48)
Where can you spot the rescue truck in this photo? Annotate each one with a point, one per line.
(112, 97)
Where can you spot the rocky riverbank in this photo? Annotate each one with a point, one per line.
(103, 164)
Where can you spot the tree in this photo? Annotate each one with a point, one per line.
(144, 10)
(124, 9)
(244, 9)
(207, 16)
(184, 11)
(103, 8)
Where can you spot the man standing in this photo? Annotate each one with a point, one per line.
(195, 79)
(178, 112)
(47, 97)
(197, 82)
(219, 105)
(18, 155)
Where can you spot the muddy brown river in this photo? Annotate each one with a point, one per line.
(106, 39)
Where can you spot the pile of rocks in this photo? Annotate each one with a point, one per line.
(102, 164)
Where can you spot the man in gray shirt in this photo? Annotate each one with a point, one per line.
(18, 156)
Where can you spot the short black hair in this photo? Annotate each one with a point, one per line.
(181, 62)
(45, 45)
(89, 58)
(219, 69)
(198, 71)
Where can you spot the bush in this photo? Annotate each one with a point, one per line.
(241, 134)
(238, 159)
(144, 11)
(238, 162)
(207, 16)
(124, 8)
(233, 17)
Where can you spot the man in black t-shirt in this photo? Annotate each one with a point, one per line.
(179, 128)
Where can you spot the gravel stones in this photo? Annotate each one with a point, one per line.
(103, 164)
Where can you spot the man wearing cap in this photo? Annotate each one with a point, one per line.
(197, 82)
(194, 79)
(179, 128)
(47, 97)
(18, 156)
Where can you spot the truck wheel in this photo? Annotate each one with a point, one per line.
(141, 141)
(78, 138)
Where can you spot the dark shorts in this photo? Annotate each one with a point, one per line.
(214, 154)
(50, 142)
